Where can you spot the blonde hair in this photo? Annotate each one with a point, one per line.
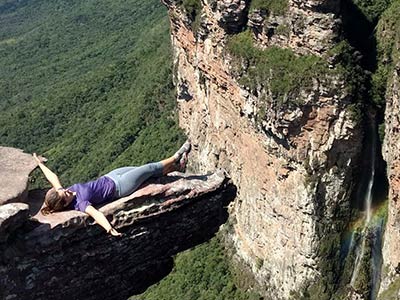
(54, 202)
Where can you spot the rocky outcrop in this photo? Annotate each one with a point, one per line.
(388, 37)
(233, 14)
(12, 216)
(15, 169)
(65, 256)
(307, 27)
(391, 251)
(294, 170)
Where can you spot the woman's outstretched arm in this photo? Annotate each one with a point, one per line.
(101, 219)
(50, 176)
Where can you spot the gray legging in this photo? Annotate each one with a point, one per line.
(128, 179)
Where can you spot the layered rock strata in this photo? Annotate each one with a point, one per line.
(294, 171)
(65, 256)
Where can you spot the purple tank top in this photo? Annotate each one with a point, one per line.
(93, 192)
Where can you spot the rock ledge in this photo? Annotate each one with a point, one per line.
(66, 256)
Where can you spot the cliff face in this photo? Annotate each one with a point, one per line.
(292, 159)
(65, 256)
(391, 251)
(389, 38)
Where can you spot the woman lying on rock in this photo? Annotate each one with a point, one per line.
(116, 184)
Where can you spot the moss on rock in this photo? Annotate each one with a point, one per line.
(276, 69)
(203, 273)
(276, 7)
(193, 9)
(391, 292)
(388, 32)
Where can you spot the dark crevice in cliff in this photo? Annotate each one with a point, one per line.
(235, 21)
(359, 31)
(380, 188)
(361, 255)
(361, 250)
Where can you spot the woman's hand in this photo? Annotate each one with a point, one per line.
(115, 232)
(101, 219)
(50, 175)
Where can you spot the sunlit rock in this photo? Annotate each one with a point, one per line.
(15, 169)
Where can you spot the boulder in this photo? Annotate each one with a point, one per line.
(15, 167)
(12, 216)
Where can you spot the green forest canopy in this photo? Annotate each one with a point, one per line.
(87, 83)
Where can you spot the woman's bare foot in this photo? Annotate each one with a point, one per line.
(185, 148)
(183, 162)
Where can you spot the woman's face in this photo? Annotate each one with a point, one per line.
(67, 194)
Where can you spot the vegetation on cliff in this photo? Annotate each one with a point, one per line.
(279, 75)
(278, 70)
(362, 21)
(372, 9)
(276, 7)
(388, 34)
(193, 9)
(391, 292)
(347, 64)
(286, 72)
(202, 274)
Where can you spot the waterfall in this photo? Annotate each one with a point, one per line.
(368, 196)
(360, 250)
